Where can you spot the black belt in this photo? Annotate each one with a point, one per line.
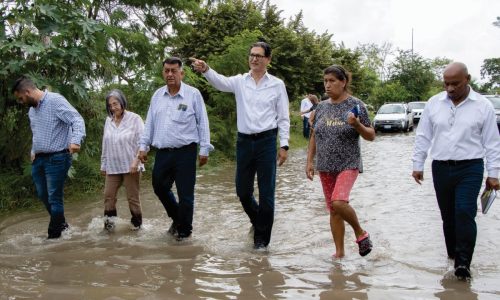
(178, 148)
(259, 135)
(44, 154)
(458, 162)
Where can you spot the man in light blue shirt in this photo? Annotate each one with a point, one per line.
(176, 122)
(262, 115)
(58, 131)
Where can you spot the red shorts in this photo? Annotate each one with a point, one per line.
(337, 186)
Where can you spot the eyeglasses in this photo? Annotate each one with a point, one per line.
(451, 120)
(256, 56)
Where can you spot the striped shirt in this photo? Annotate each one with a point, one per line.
(55, 124)
(176, 121)
(259, 107)
(120, 144)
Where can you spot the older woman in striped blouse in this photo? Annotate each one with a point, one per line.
(119, 162)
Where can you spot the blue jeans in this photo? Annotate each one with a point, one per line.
(305, 127)
(257, 156)
(49, 174)
(177, 166)
(457, 188)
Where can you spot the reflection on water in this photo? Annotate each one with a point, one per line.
(218, 262)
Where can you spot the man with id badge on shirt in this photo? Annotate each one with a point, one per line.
(176, 124)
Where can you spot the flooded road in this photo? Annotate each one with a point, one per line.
(408, 260)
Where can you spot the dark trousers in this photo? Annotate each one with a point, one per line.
(457, 187)
(305, 127)
(257, 155)
(179, 166)
(49, 174)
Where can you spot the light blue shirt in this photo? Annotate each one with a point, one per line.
(176, 121)
(55, 124)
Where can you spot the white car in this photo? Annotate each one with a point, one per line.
(393, 116)
(495, 100)
(417, 108)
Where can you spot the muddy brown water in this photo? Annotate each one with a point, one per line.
(408, 260)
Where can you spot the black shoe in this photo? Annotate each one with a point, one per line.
(462, 272)
(173, 229)
(182, 236)
(55, 234)
(259, 245)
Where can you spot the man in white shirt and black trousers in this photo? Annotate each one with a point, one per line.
(262, 115)
(458, 125)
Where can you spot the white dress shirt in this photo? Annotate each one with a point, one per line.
(176, 121)
(467, 131)
(305, 104)
(259, 107)
(119, 144)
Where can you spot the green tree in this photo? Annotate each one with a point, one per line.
(414, 72)
(491, 70)
(392, 91)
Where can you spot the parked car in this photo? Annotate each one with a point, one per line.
(495, 100)
(393, 116)
(417, 107)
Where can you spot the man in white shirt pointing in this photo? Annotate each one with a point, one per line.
(459, 127)
(262, 115)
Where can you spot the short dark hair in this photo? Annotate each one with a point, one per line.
(119, 96)
(173, 61)
(23, 83)
(340, 73)
(263, 45)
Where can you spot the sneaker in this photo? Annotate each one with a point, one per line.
(365, 244)
(462, 272)
(173, 229)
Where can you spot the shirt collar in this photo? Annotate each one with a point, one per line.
(180, 93)
(472, 95)
(249, 75)
(45, 93)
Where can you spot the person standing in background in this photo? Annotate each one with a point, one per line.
(58, 131)
(305, 113)
(459, 127)
(315, 101)
(119, 159)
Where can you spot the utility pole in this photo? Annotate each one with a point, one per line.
(412, 42)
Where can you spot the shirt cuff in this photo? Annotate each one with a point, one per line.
(205, 150)
(283, 142)
(418, 166)
(493, 173)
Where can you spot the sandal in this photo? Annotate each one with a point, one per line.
(365, 244)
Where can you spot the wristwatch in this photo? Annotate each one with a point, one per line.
(285, 147)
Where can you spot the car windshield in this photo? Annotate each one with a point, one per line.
(495, 100)
(416, 105)
(391, 109)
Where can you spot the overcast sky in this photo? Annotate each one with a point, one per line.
(456, 29)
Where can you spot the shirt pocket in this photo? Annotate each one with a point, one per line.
(182, 116)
